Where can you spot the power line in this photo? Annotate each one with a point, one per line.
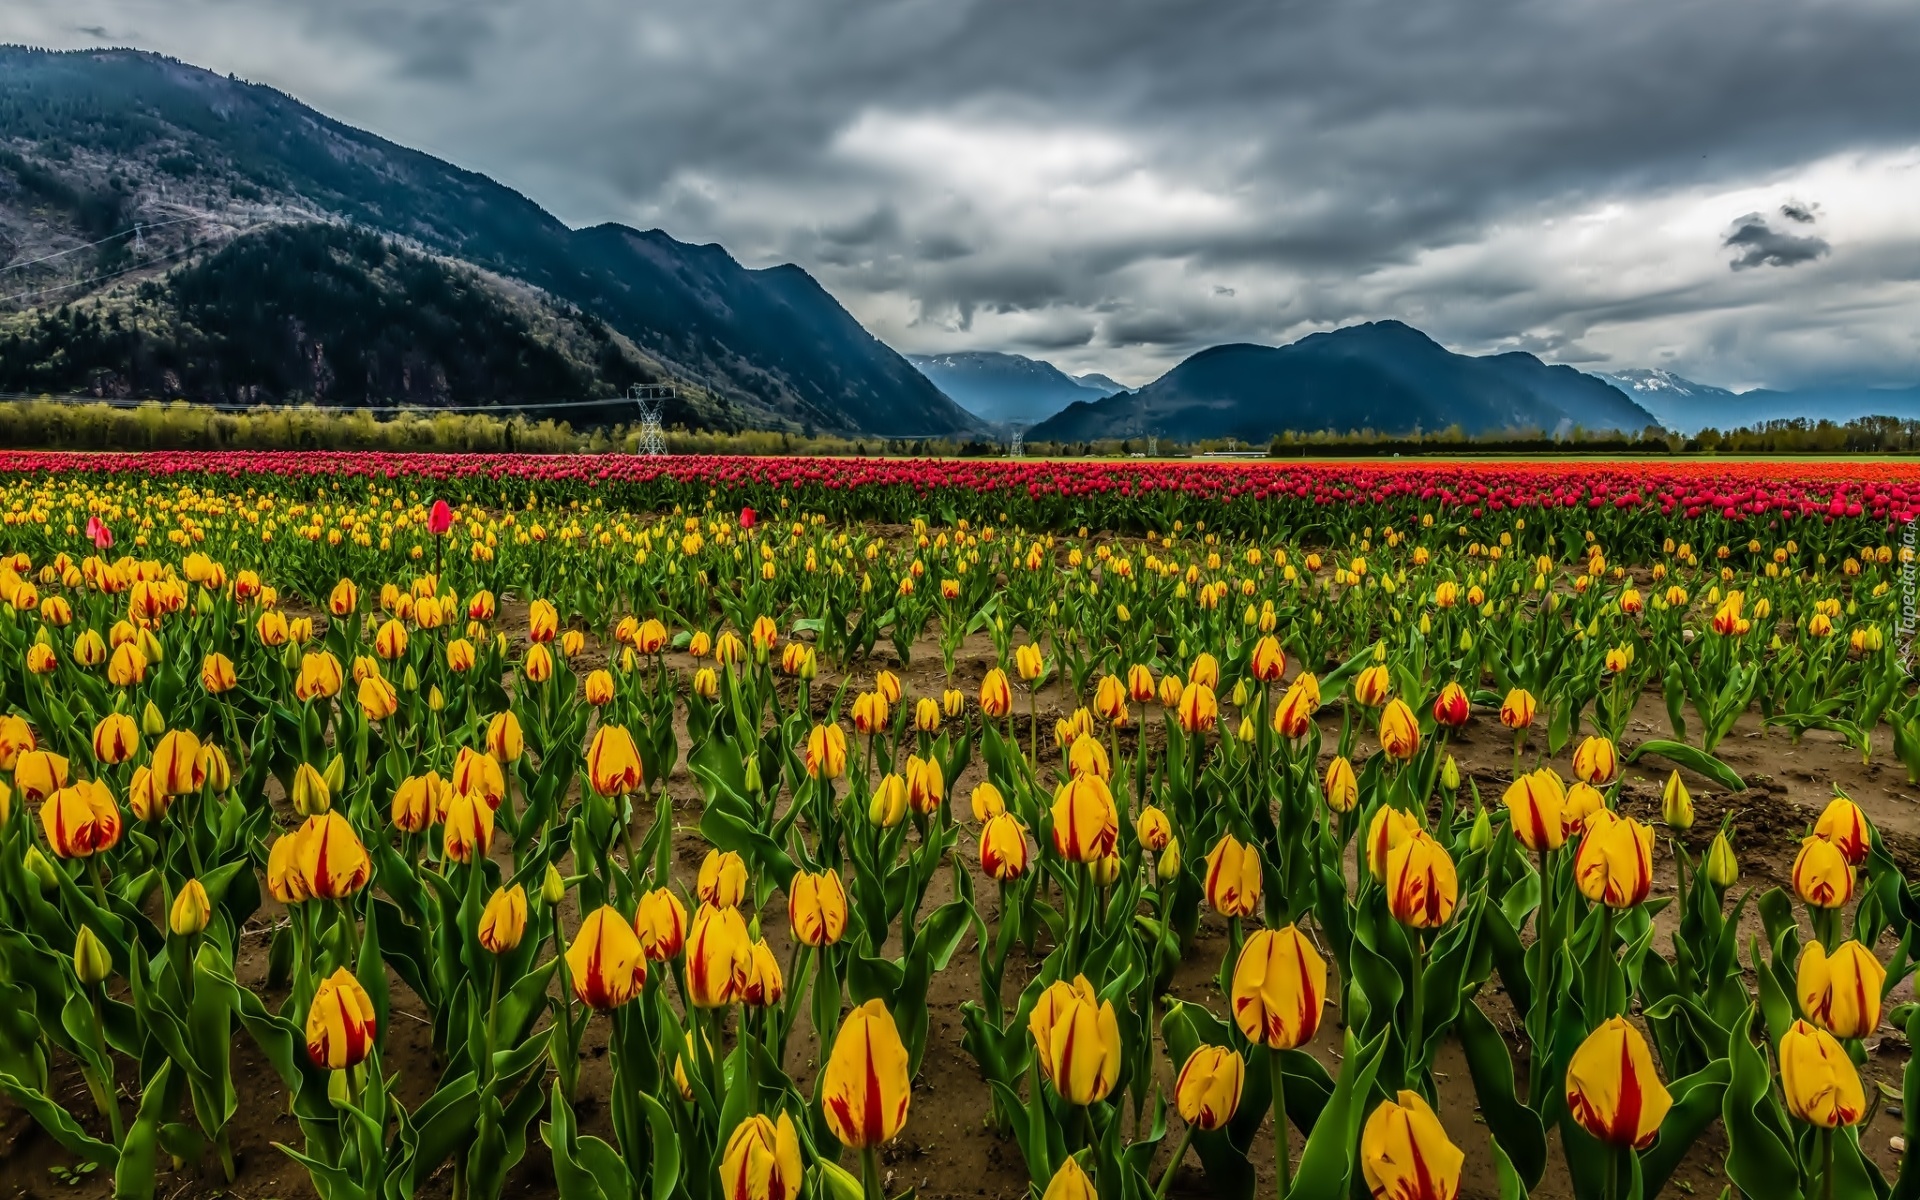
(61, 287)
(137, 227)
(329, 409)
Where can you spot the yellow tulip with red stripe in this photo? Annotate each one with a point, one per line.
(332, 861)
(1612, 1088)
(81, 820)
(1003, 847)
(826, 753)
(176, 766)
(1278, 989)
(1233, 877)
(605, 962)
(1076, 1036)
(762, 1160)
(1822, 877)
(865, 1088)
(115, 739)
(1085, 825)
(1422, 886)
(1840, 992)
(817, 907)
(1535, 804)
(1269, 662)
(1596, 761)
(1399, 731)
(504, 920)
(613, 761)
(1818, 1080)
(1614, 865)
(996, 694)
(722, 881)
(660, 920)
(719, 955)
(1843, 824)
(467, 827)
(1405, 1153)
(1207, 1091)
(341, 1025)
(1199, 709)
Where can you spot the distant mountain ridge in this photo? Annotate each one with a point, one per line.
(1385, 376)
(1684, 405)
(91, 142)
(1002, 387)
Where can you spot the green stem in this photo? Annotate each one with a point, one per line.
(109, 1095)
(870, 1173)
(1282, 1167)
(1416, 1032)
(1179, 1153)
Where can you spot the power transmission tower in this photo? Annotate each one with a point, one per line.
(1019, 441)
(651, 400)
(1153, 446)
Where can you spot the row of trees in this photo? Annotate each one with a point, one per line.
(46, 423)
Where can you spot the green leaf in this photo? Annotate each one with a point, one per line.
(133, 1175)
(1326, 1165)
(1516, 1129)
(1693, 759)
(58, 1123)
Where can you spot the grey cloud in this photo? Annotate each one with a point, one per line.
(1351, 147)
(1760, 245)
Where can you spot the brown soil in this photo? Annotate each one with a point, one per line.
(948, 1149)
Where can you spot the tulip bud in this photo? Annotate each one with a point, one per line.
(1676, 803)
(1168, 868)
(1723, 869)
(42, 871)
(191, 909)
(1450, 774)
(152, 721)
(91, 962)
(1481, 835)
(311, 795)
(553, 886)
(335, 774)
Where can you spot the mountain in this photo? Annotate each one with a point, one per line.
(93, 142)
(1106, 385)
(1689, 407)
(1006, 387)
(1384, 376)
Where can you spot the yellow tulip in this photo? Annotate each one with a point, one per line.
(1405, 1153)
(762, 1160)
(320, 678)
(1843, 824)
(1293, 716)
(889, 804)
(1269, 661)
(987, 801)
(613, 761)
(1153, 829)
(926, 788)
(660, 921)
(1207, 1090)
(1821, 876)
(817, 908)
(1003, 847)
(1840, 993)
(340, 1023)
(1341, 787)
(1399, 731)
(1233, 878)
(1422, 887)
(1077, 1039)
(115, 739)
(1536, 804)
(723, 879)
(333, 863)
(191, 909)
(1027, 661)
(1372, 686)
(1612, 1088)
(605, 962)
(81, 820)
(1198, 709)
(1596, 762)
(1676, 803)
(1390, 827)
(719, 955)
(1085, 824)
(826, 752)
(1817, 1079)
(1279, 987)
(865, 1088)
(504, 920)
(996, 694)
(505, 742)
(1614, 865)
(1516, 711)
(378, 700)
(1071, 1182)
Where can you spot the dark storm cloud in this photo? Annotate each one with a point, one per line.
(1760, 245)
(959, 170)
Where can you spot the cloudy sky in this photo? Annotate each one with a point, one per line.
(1730, 189)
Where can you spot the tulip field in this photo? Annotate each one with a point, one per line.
(380, 826)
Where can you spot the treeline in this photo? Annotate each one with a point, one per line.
(50, 424)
